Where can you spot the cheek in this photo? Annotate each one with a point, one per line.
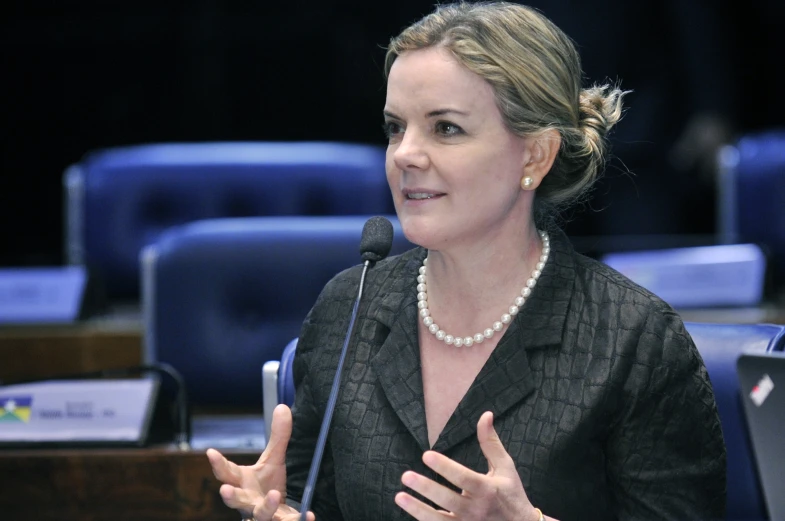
(494, 182)
(492, 172)
(390, 168)
(507, 167)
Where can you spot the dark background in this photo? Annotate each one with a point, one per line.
(77, 76)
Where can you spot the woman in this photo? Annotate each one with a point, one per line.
(494, 373)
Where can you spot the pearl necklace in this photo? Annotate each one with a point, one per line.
(506, 318)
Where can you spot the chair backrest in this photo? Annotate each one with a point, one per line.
(751, 194)
(120, 200)
(720, 346)
(285, 374)
(221, 297)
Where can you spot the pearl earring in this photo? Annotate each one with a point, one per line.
(527, 182)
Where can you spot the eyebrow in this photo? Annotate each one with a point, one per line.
(431, 114)
(441, 112)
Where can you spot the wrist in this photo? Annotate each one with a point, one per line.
(537, 515)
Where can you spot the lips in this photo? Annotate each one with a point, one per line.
(419, 194)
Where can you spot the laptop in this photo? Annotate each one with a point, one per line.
(762, 384)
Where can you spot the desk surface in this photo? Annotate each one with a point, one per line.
(768, 314)
(157, 484)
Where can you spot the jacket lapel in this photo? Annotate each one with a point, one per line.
(506, 378)
(397, 363)
(504, 381)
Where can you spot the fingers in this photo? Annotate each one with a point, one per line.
(444, 497)
(223, 469)
(238, 498)
(280, 432)
(266, 510)
(273, 508)
(462, 477)
(490, 444)
(296, 517)
(417, 509)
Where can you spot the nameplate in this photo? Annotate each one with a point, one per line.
(41, 295)
(705, 276)
(77, 412)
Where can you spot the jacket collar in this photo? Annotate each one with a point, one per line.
(505, 379)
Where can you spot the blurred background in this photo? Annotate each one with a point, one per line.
(79, 76)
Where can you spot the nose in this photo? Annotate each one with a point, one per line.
(410, 153)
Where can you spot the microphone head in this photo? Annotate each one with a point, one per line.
(376, 240)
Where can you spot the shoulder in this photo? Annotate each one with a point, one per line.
(387, 275)
(640, 350)
(601, 281)
(386, 285)
(635, 323)
(649, 342)
(604, 287)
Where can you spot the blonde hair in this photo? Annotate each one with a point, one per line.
(535, 72)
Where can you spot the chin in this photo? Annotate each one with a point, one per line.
(420, 232)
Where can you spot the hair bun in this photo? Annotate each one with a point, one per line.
(600, 110)
(584, 147)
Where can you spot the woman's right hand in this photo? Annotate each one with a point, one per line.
(259, 491)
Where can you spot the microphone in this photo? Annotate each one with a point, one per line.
(376, 240)
(375, 245)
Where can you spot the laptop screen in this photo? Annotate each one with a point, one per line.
(762, 384)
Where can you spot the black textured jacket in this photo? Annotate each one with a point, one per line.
(598, 394)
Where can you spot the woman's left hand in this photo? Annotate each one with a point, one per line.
(495, 496)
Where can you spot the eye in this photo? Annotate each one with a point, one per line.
(447, 129)
(392, 129)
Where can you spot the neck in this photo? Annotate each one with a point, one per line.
(468, 289)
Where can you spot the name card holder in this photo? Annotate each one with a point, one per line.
(52, 295)
(78, 413)
(730, 275)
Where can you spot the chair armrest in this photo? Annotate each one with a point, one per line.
(269, 394)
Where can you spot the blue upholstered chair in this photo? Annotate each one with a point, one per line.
(751, 195)
(221, 297)
(121, 199)
(719, 345)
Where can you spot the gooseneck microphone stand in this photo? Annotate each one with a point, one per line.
(374, 246)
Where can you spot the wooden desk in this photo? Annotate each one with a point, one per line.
(112, 485)
(46, 351)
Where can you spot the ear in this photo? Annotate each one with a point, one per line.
(542, 153)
